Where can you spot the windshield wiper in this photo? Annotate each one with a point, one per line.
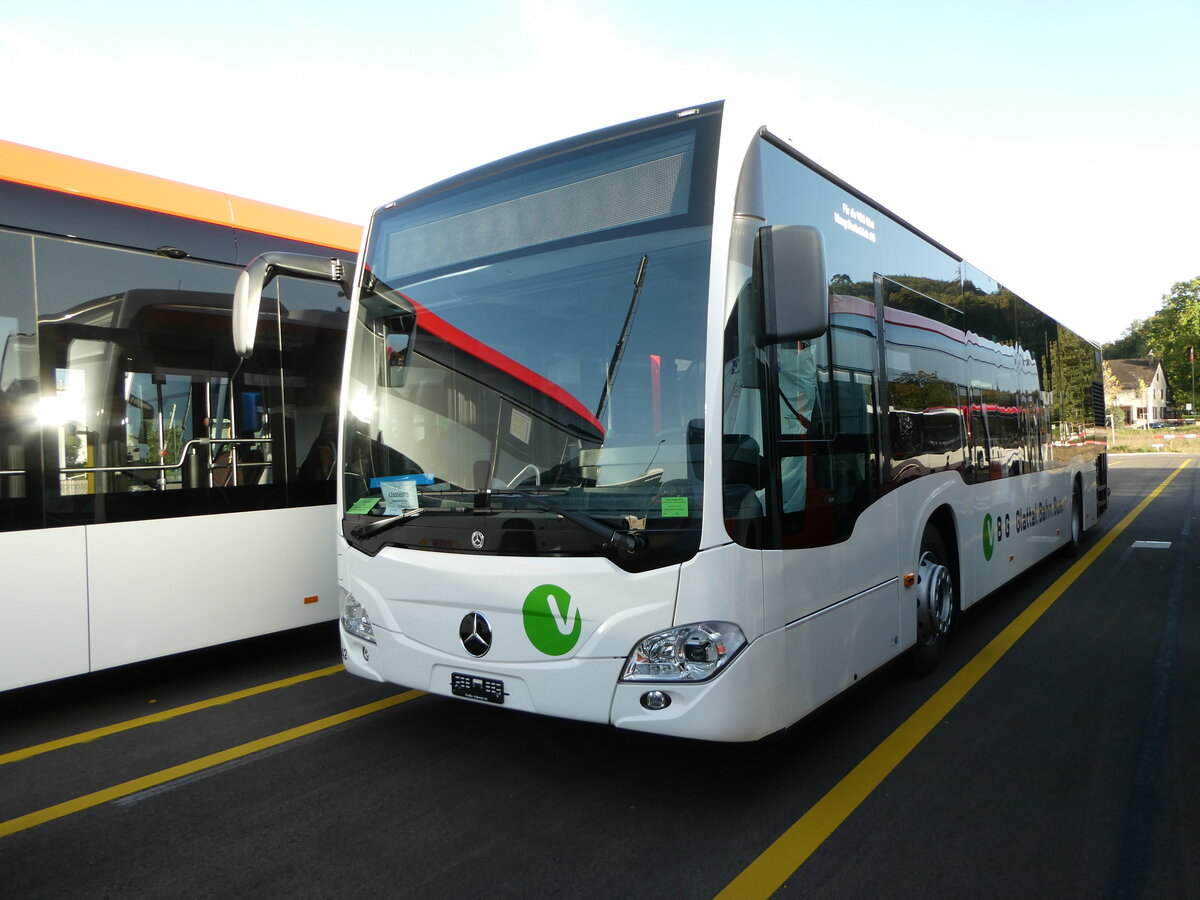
(619, 350)
(365, 531)
(630, 541)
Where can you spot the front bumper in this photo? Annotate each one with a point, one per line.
(736, 705)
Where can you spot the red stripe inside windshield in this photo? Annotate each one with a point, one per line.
(456, 337)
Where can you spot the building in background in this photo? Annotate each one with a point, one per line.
(1142, 394)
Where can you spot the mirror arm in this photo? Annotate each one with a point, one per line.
(247, 293)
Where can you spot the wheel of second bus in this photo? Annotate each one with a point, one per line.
(935, 602)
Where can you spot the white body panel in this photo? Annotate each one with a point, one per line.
(417, 600)
(43, 605)
(131, 591)
(165, 586)
(780, 677)
(799, 583)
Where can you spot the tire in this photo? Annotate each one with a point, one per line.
(1075, 539)
(937, 600)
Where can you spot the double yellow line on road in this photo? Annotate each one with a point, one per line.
(791, 849)
(116, 792)
(163, 716)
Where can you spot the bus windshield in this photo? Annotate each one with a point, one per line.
(528, 354)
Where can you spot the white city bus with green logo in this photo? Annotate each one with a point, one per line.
(667, 427)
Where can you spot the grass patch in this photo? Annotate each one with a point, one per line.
(1158, 440)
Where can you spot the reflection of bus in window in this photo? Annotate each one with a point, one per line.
(788, 481)
(142, 394)
(136, 450)
(478, 397)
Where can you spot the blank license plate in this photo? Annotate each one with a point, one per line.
(476, 688)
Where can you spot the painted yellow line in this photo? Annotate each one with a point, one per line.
(85, 736)
(87, 801)
(779, 861)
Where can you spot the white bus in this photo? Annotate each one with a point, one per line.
(538, 508)
(140, 462)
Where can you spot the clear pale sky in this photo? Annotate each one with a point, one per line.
(1053, 143)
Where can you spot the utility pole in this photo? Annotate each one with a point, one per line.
(1192, 360)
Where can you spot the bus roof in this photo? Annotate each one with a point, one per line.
(69, 175)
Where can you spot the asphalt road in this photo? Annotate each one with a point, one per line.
(1061, 762)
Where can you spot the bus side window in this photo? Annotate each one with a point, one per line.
(19, 468)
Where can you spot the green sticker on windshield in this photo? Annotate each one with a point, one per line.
(675, 507)
(362, 506)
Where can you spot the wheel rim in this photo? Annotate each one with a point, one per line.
(935, 598)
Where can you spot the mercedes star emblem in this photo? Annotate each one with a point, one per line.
(477, 540)
(476, 634)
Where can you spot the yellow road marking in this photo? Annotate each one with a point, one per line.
(87, 801)
(779, 861)
(85, 736)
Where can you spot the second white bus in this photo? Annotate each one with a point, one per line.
(150, 482)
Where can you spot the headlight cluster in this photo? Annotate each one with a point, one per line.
(687, 653)
(355, 619)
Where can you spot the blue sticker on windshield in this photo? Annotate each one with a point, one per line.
(424, 478)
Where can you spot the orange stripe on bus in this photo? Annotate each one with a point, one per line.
(251, 215)
(311, 599)
(96, 181)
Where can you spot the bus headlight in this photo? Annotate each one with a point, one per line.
(355, 619)
(687, 653)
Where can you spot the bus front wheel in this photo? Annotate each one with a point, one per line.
(935, 602)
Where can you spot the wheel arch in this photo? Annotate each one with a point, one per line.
(943, 519)
(937, 564)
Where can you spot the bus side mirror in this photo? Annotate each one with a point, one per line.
(794, 285)
(247, 294)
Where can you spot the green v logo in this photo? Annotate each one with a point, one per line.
(553, 620)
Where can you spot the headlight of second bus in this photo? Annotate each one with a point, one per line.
(355, 619)
(686, 653)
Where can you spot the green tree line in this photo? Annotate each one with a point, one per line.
(1168, 335)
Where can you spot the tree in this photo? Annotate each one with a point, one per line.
(1173, 330)
(1112, 388)
(1134, 342)
(1069, 362)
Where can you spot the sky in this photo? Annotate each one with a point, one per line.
(1055, 145)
